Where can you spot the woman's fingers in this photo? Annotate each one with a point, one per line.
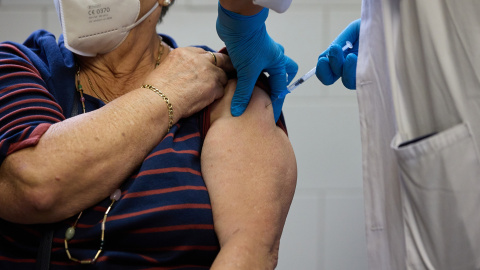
(220, 60)
(223, 62)
(192, 77)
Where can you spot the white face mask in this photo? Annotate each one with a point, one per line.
(92, 27)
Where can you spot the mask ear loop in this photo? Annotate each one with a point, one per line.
(128, 28)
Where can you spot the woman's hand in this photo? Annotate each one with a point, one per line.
(191, 79)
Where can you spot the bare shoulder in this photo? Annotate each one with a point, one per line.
(252, 136)
(258, 112)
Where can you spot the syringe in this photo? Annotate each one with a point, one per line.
(308, 75)
(303, 79)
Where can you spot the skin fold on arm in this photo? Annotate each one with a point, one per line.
(250, 171)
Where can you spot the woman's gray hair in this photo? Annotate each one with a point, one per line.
(164, 11)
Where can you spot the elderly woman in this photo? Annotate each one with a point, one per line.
(119, 151)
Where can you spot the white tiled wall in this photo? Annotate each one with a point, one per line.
(325, 227)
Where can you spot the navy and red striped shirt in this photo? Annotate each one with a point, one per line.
(163, 219)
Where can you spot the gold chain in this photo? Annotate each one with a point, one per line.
(161, 49)
(96, 94)
(70, 233)
(79, 87)
(169, 105)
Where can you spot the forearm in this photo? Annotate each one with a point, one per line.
(81, 160)
(251, 180)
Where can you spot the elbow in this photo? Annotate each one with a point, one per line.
(40, 194)
(37, 191)
(27, 196)
(27, 206)
(39, 200)
(34, 204)
(272, 259)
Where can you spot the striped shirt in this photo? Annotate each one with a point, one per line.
(163, 219)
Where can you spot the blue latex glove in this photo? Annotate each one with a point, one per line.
(253, 51)
(335, 63)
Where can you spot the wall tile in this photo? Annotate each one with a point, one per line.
(335, 2)
(191, 28)
(182, 3)
(52, 22)
(25, 2)
(300, 246)
(302, 33)
(14, 25)
(199, 3)
(344, 230)
(326, 138)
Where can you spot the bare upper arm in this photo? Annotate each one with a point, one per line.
(249, 168)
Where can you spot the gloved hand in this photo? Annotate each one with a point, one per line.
(252, 51)
(335, 63)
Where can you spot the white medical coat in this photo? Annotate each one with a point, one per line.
(418, 86)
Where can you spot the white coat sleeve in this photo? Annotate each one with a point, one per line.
(279, 6)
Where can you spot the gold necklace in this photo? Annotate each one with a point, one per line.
(70, 233)
(161, 48)
(96, 94)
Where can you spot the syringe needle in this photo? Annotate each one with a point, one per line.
(308, 75)
(303, 79)
(348, 45)
(297, 83)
